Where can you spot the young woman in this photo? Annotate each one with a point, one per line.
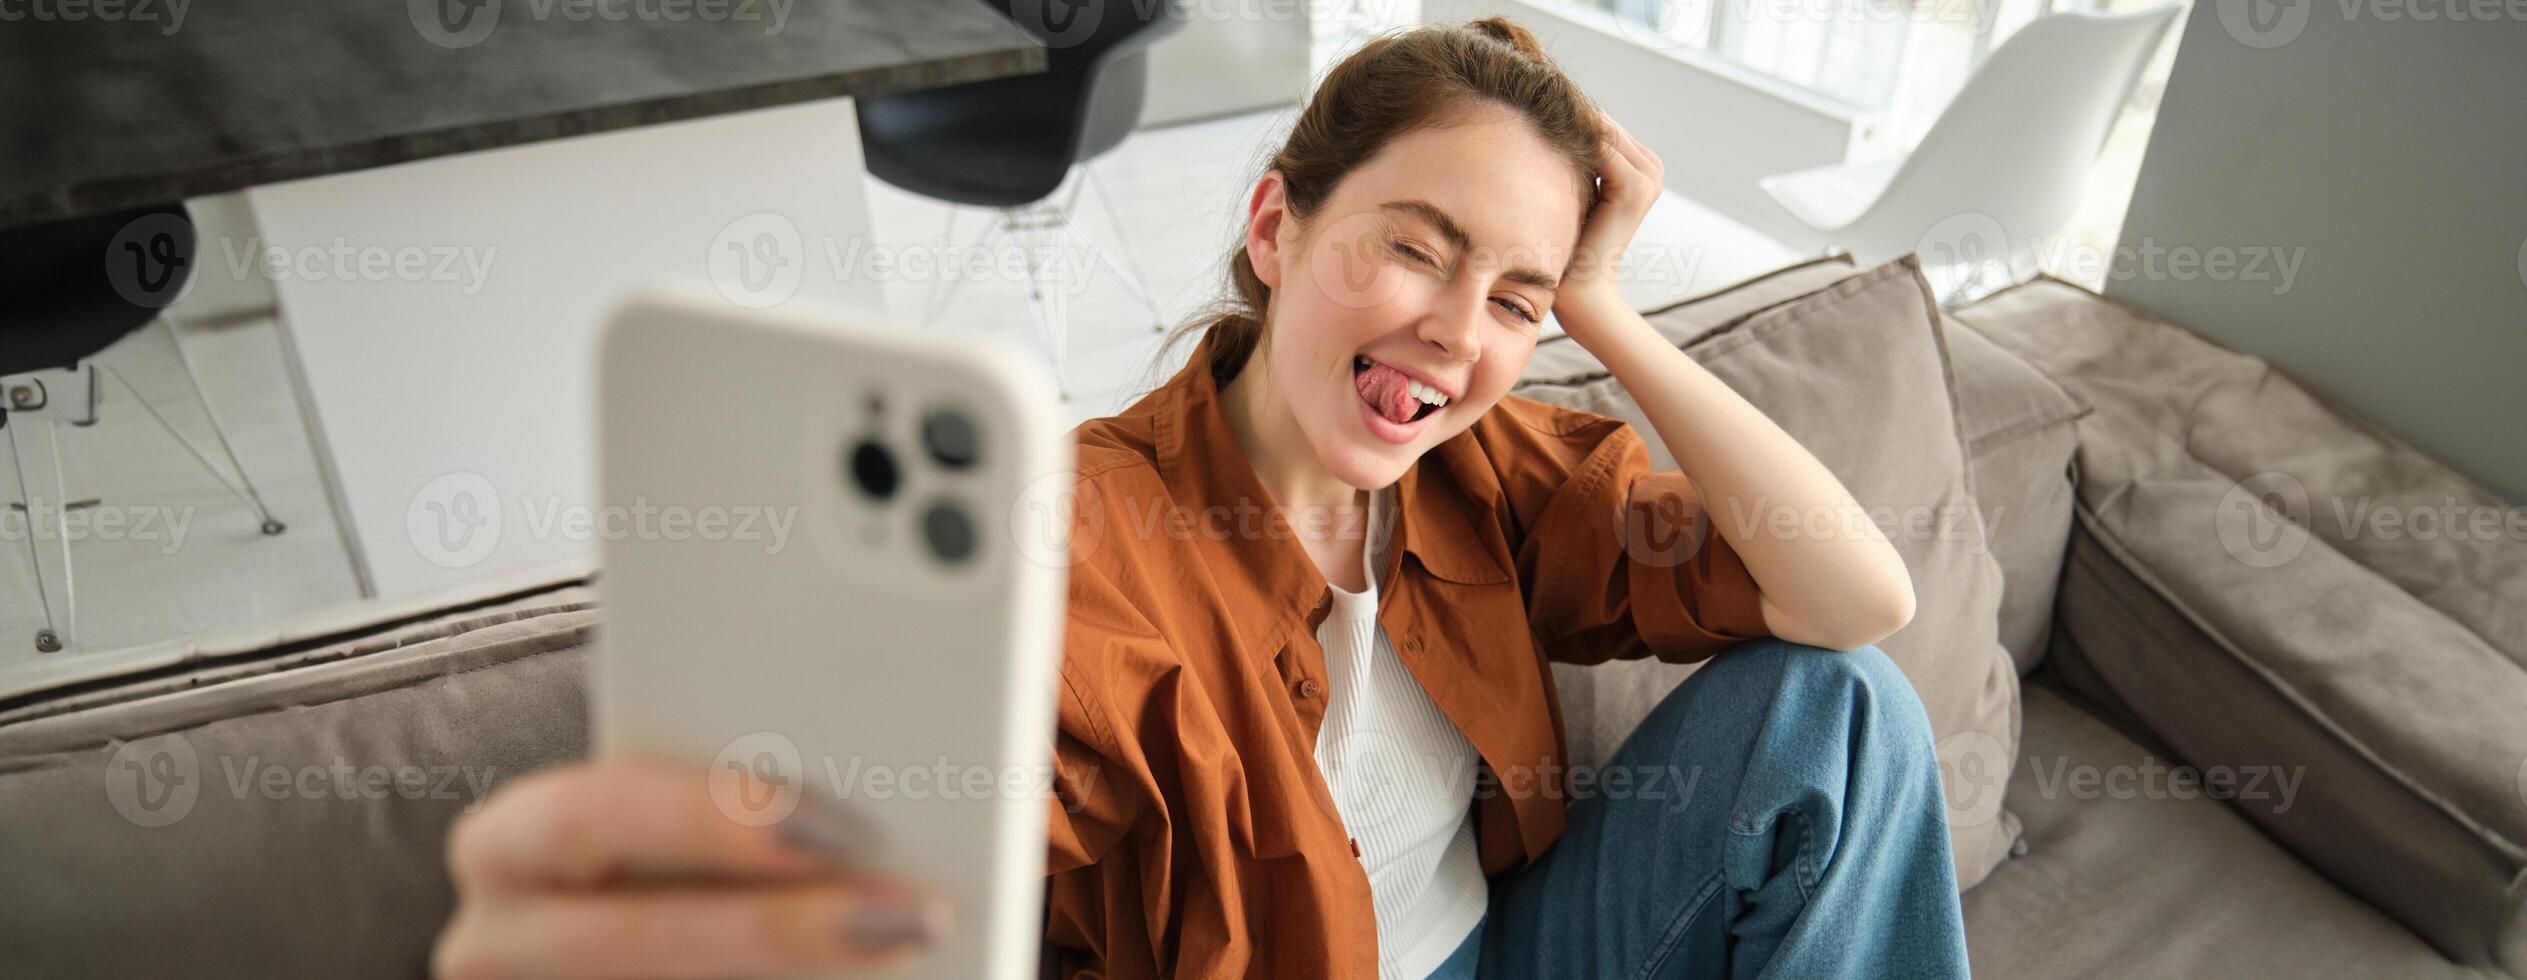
(1307, 721)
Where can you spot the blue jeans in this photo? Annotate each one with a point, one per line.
(1793, 828)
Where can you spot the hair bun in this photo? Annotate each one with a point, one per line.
(1508, 32)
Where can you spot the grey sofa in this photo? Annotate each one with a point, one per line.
(273, 802)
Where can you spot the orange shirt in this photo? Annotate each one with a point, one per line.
(1192, 833)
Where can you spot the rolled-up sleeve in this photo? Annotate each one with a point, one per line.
(1619, 561)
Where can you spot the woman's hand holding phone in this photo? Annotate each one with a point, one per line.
(621, 867)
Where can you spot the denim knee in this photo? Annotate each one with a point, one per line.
(1868, 664)
(1898, 707)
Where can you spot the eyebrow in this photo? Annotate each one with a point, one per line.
(1455, 234)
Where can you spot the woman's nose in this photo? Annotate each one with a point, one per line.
(1456, 326)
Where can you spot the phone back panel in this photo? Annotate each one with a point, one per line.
(765, 614)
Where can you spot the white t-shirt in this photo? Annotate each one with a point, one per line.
(1403, 778)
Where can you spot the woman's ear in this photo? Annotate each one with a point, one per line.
(1265, 228)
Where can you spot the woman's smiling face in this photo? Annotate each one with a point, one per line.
(1422, 281)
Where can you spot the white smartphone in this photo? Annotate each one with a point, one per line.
(837, 567)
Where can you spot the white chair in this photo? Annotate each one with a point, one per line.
(2001, 169)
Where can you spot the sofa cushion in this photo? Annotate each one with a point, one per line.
(1857, 373)
(2339, 477)
(1559, 356)
(2405, 730)
(2223, 593)
(2019, 442)
(2016, 422)
(282, 811)
(2132, 870)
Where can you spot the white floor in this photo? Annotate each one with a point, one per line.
(168, 550)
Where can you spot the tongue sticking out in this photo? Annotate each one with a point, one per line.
(1387, 390)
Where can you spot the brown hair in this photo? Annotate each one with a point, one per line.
(1394, 84)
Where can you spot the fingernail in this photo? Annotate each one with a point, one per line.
(891, 923)
(837, 833)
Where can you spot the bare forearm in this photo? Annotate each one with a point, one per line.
(1807, 542)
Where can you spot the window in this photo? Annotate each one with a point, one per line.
(1898, 63)
(1898, 60)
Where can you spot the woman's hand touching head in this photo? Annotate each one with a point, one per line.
(1630, 178)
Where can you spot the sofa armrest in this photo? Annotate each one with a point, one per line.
(2380, 740)
(280, 811)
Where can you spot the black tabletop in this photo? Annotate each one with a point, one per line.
(158, 100)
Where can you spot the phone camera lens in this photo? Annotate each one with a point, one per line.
(949, 530)
(873, 469)
(951, 438)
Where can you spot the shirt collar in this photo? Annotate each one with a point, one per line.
(1204, 466)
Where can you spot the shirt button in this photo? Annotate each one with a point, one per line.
(1355, 847)
(1308, 688)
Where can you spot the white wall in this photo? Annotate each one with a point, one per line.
(1233, 56)
(1718, 127)
(219, 290)
(445, 403)
(2389, 154)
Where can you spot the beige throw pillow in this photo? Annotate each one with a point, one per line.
(1858, 372)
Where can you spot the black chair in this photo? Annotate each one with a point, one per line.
(1011, 143)
(68, 290)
